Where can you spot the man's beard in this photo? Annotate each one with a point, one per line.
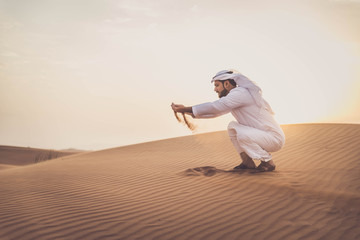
(223, 93)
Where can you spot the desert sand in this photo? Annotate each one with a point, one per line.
(177, 189)
(11, 156)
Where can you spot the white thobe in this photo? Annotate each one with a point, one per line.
(255, 132)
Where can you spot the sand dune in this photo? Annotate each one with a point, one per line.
(18, 156)
(180, 189)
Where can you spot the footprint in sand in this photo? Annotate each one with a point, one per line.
(208, 171)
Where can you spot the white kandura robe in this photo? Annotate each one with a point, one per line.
(256, 132)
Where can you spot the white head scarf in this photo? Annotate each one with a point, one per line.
(244, 82)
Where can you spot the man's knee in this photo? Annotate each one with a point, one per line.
(242, 137)
(241, 134)
(231, 130)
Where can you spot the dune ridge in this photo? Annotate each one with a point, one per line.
(11, 156)
(159, 190)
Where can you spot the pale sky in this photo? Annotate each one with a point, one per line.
(100, 74)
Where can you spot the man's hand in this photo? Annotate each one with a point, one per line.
(182, 109)
(178, 107)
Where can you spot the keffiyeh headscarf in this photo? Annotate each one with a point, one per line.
(242, 81)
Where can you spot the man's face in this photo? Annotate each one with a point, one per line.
(219, 89)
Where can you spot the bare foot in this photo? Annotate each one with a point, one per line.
(247, 162)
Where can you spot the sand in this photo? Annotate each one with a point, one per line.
(11, 156)
(178, 189)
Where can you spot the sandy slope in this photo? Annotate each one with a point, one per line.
(18, 156)
(155, 190)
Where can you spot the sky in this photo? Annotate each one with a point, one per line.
(91, 75)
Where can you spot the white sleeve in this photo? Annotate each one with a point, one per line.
(205, 110)
(237, 97)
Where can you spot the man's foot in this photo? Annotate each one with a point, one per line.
(247, 162)
(243, 166)
(266, 166)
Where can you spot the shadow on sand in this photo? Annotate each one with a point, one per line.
(209, 171)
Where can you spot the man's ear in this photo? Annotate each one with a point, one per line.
(226, 84)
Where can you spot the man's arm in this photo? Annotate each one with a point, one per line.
(207, 110)
(237, 98)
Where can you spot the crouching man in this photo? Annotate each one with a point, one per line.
(255, 133)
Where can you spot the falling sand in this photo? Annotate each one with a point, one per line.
(186, 121)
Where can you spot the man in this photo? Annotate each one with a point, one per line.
(255, 133)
